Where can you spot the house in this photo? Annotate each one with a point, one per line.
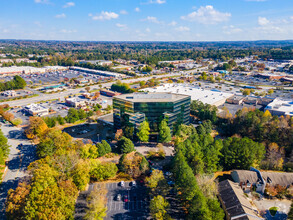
(235, 203)
(259, 179)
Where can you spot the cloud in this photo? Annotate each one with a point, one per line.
(37, 23)
(60, 16)
(207, 15)
(69, 4)
(262, 21)
(66, 31)
(104, 15)
(182, 29)
(122, 27)
(173, 23)
(42, 1)
(157, 2)
(137, 9)
(123, 12)
(151, 19)
(148, 30)
(231, 29)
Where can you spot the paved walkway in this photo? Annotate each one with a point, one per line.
(19, 159)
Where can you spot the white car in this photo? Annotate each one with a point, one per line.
(122, 183)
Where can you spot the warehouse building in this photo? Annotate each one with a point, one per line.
(281, 107)
(212, 97)
(136, 107)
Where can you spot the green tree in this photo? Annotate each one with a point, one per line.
(143, 132)
(104, 171)
(81, 175)
(53, 141)
(103, 148)
(158, 206)
(125, 145)
(4, 148)
(241, 153)
(164, 132)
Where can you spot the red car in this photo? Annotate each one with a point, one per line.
(125, 199)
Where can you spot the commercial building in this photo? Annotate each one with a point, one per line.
(36, 110)
(98, 72)
(280, 107)
(14, 70)
(212, 97)
(75, 102)
(109, 93)
(136, 107)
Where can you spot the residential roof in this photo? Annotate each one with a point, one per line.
(273, 178)
(235, 203)
(151, 97)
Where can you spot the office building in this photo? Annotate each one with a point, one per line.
(154, 107)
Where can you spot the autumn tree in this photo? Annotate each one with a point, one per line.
(158, 206)
(133, 164)
(36, 127)
(157, 183)
(16, 200)
(53, 142)
(97, 203)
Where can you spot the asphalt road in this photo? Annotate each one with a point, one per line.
(61, 95)
(19, 159)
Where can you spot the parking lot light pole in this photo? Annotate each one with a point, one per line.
(98, 137)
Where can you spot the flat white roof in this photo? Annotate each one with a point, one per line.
(196, 93)
(35, 107)
(281, 105)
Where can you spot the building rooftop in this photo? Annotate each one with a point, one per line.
(35, 107)
(273, 178)
(152, 97)
(236, 204)
(196, 93)
(281, 105)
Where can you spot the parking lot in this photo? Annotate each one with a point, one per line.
(133, 204)
(55, 77)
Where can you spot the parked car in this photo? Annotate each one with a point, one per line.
(133, 183)
(122, 183)
(118, 197)
(125, 199)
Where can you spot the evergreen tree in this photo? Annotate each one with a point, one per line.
(164, 132)
(125, 145)
(143, 132)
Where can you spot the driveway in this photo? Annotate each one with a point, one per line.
(19, 159)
